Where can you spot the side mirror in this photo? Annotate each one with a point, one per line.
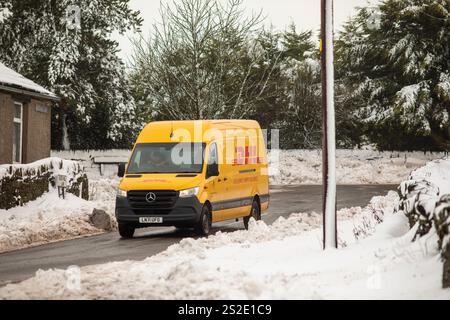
(212, 170)
(121, 170)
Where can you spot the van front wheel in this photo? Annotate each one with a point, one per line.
(203, 228)
(255, 213)
(126, 231)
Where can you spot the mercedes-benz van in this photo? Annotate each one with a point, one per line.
(190, 174)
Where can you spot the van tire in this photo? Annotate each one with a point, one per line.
(203, 228)
(126, 231)
(255, 213)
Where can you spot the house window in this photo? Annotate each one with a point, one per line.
(17, 132)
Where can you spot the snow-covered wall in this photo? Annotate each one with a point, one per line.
(21, 183)
(296, 166)
(87, 159)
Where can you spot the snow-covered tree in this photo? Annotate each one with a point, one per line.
(66, 46)
(202, 61)
(298, 99)
(398, 69)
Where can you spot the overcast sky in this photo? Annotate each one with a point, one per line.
(279, 13)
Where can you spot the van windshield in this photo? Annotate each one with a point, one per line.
(167, 158)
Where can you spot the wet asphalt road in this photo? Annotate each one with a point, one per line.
(19, 265)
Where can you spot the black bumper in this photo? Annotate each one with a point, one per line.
(185, 213)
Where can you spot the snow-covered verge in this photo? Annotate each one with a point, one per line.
(352, 166)
(49, 218)
(281, 261)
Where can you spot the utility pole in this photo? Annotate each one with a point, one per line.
(329, 127)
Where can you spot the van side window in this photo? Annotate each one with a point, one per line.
(213, 162)
(137, 158)
(213, 156)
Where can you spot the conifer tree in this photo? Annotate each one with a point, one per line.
(66, 46)
(399, 72)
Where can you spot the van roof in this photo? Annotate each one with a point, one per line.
(161, 131)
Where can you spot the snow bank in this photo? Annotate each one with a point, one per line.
(45, 217)
(281, 261)
(437, 171)
(50, 218)
(353, 166)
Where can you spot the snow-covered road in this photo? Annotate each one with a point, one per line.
(376, 260)
(20, 265)
(281, 261)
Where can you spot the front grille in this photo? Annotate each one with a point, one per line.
(163, 204)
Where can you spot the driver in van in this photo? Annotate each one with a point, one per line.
(154, 159)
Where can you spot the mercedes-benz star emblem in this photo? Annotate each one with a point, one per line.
(150, 197)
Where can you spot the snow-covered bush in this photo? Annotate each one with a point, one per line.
(20, 184)
(441, 219)
(417, 201)
(421, 201)
(372, 215)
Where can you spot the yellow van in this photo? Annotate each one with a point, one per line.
(189, 174)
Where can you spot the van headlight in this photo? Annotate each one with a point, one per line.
(121, 193)
(189, 192)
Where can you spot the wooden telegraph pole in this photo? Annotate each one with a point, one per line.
(329, 127)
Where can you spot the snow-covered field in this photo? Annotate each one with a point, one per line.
(352, 166)
(281, 261)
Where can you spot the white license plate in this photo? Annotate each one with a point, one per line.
(150, 220)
